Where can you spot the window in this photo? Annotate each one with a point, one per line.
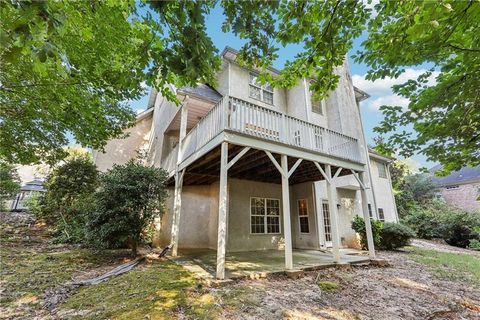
(303, 216)
(264, 215)
(260, 92)
(382, 170)
(452, 187)
(381, 215)
(326, 221)
(318, 106)
(370, 213)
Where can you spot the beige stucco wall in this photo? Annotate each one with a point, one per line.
(198, 218)
(239, 235)
(304, 240)
(120, 151)
(239, 87)
(383, 193)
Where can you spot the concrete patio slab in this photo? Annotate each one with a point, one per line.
(259, 264)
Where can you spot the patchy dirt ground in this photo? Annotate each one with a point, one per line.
(429, 281)
(405, 291)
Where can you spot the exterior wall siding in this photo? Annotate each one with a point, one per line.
(120, 151)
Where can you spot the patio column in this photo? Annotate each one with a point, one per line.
(177, 197)
(222, 212)
(366, 216)
(287, 230)
(332, 204)
(177, 207)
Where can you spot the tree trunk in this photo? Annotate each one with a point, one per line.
(133, 244)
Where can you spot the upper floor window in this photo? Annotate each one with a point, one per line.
(260, 92)
(318, 106)
(382, 170)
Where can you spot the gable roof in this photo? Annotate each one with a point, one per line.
(202, 91)
(463, 176)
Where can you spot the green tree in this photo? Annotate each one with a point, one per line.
(68, 68)
(9, 183)
(445, 36)
(416, 189)
(130, 197)
(69, 197)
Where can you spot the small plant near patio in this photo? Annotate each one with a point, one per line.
(387, 235)
(130, 197)
(395, 235)
(328, 286)
(358, 224)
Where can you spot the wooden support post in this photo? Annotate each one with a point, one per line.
(177, 195)
(332, 204)
(222, 212)
(366, 216)
(177, 207)
(286, 214)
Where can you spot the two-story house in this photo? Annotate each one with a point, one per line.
(254, 167)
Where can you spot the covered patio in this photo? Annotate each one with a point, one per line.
(256, 264)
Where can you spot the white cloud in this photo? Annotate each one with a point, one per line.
(383, 86)
(374, 104)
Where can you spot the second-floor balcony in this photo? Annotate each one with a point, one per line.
(234, 115)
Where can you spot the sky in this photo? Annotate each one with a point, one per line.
(380, 91)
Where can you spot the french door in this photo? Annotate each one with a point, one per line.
(326, 224)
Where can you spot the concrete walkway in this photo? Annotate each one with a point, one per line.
(255, 264)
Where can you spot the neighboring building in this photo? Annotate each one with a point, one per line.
(254, 167)
(26, 191)
(460, 188)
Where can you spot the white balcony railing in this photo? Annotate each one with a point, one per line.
(247, 118)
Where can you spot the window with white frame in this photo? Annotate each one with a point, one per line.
(381, 215)
(370, 212)
(382, 170)
(318, 105)
(260, 92)
(303, 216)
(264, 215)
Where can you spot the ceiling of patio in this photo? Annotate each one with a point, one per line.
(255, 165)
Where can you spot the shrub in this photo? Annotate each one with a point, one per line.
(474, 244)
(358, 224)
(395, 235)
(424, 221)
(69, 197)
(436, 219)
(459, 227)
(130, 197)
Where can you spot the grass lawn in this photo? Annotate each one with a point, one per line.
(453, 266)
(155, 290)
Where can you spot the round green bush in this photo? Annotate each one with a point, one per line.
(395, 235)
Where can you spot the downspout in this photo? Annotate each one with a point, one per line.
(369, 166)
(393, 196)
(306, 92)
